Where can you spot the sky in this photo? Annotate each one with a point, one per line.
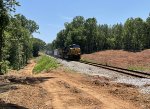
(51, 15)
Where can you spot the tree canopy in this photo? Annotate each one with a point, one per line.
(133, 35)
(17, 44)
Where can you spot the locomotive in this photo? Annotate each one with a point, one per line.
(71, 52)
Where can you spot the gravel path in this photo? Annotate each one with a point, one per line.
(143, 84)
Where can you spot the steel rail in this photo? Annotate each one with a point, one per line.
(134, 73)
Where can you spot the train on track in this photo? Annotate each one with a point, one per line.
(71, 52)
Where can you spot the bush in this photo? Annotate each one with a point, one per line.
(45, 63)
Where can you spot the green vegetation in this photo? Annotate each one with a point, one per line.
(17, 44)
(38, 45)
(133, 35)
(45, 63)
(139, 68)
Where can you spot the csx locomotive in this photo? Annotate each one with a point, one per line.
(71, 52)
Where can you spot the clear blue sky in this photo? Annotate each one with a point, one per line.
(51, 15)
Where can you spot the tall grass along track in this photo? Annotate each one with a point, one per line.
(45, 63)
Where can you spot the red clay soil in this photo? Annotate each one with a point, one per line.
(63, 89)
(124, 59)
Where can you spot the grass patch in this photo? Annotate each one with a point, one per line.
(138, 68)
(45, 63)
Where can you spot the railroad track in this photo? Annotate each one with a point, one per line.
(134, 73)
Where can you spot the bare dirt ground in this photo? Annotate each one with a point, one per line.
(64, 89)
(124, 59)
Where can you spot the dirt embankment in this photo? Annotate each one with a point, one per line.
(63, 89)
(120, 58)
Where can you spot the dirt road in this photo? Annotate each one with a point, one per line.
(64, 89)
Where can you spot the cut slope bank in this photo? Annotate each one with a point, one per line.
(124, 59)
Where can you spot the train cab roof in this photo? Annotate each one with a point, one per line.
(74, 46)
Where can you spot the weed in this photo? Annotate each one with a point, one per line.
(45, 63)
(138, 68)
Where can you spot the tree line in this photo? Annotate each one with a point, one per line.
(17, 44)
(133, 35)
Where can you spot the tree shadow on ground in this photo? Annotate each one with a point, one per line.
(12, 81)
(4, 105)
(28, 80)
(4, 87)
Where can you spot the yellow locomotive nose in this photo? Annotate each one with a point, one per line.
(74, 51)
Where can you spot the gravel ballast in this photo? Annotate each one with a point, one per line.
(143, 84)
